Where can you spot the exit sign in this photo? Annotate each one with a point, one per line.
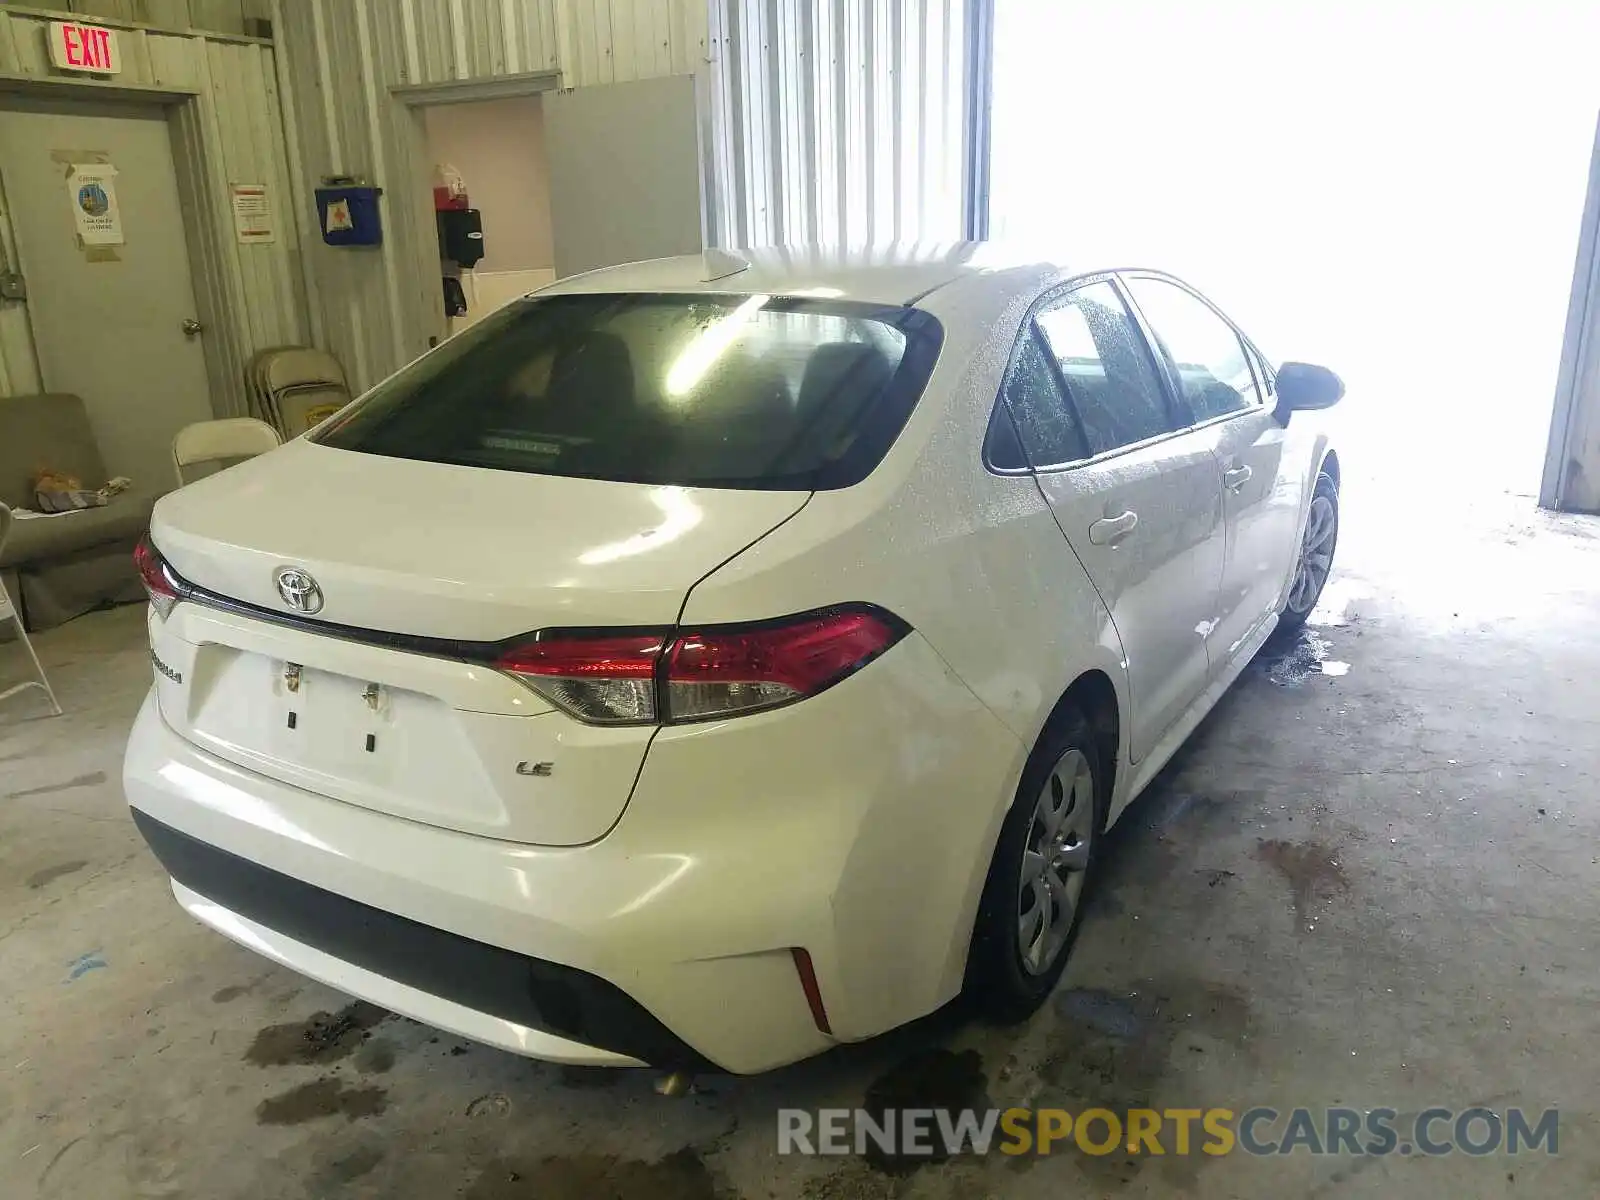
(75, 47)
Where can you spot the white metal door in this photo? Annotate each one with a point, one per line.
(1262, 492)
(107, 320)
(624, 172)
(1147, 526)
(1143, 511)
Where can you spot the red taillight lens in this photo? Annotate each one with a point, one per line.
(158, 583)
(607, 679)
(611, 678)
(615, 679)
(716, 673)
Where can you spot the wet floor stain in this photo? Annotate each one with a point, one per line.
(933, 1078)
(1290, 662)
(322, 1037)
(1312, 870)
(1114, 1048)
(1339, 604)
(94, 960)
(233, 991)
(336, 1166)
(92, 779)
(375, 1057)
(681, 1175)
(1104, 1012)
(1156, 839)
(49, 875)
(855, 1180)
(324, 1097)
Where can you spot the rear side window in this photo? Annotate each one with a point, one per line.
(1205, 354)
(1106, 367)
(1049, 432)
(695, 389)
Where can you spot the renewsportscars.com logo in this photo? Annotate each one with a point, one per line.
(929, 1133)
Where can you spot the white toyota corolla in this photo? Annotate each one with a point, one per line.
(706, 661)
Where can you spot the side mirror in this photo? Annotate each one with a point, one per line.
(1306, 386)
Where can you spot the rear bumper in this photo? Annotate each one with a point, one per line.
(856, 825)
(482, 991)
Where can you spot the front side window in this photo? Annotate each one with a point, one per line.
(690, 389)
(1264, 372)
(1106, 367)
(1204, 353)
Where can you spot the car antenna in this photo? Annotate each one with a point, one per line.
(719, 264)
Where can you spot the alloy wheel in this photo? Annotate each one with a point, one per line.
(1316, 555)
(1055, 856)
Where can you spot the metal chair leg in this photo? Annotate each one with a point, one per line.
(43, 682)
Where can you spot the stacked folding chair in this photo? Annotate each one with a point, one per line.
(294, 388)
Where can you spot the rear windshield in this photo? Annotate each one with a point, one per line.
(696, 389)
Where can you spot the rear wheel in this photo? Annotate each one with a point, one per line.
(1039, 879)
(1316, 554)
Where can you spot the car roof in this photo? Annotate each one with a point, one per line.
(898, 274)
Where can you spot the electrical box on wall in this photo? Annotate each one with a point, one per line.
(348, 215)
(460, 235)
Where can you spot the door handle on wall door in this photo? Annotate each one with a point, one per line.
(1236, 478)
(1108, 531)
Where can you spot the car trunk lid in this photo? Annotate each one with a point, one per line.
(384, 697)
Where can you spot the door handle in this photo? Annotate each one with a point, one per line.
(1108, 531)
(1236, 478)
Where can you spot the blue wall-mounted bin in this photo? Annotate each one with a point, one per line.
(348, 216)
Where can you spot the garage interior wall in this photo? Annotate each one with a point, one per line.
(376, 308)
(498, 147)
(250, 295)
(824, 120)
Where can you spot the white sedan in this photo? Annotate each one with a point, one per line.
(707, 661)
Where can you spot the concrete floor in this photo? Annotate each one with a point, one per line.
(1366, 888)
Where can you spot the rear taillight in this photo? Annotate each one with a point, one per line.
(157, 579)
(610, 677)
(604, 678)
(719, 673)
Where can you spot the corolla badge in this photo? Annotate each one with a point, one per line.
(299, 591)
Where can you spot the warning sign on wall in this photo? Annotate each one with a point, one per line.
(92, 193)
(338, 219)
(252, 214)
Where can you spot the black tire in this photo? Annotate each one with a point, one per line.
(1296, 607)
(997, 982)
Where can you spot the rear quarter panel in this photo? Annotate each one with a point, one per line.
(974, 561)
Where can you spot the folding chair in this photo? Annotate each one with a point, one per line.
(8, 612)
(211, 441)
(299, 387)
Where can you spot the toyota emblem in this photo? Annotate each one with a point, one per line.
(299, 591)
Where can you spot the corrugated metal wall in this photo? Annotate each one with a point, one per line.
(835, 121)
(839, 121)
(233, 118)
(831, 121)
(376, 309)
